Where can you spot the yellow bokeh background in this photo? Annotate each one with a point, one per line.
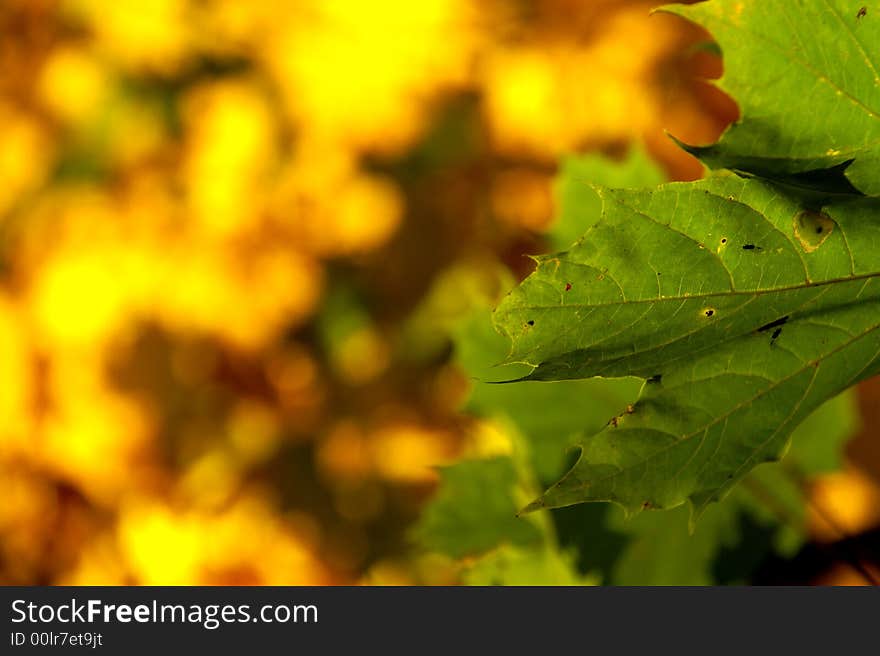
(217, 219)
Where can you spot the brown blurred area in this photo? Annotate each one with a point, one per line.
(217, 221)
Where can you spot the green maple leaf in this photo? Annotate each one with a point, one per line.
(742, 309)
(806, 75)
(474, 510)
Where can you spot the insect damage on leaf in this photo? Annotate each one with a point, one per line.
(812, 229)
(773, 324)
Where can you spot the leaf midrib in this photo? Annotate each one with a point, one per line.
(739, 292)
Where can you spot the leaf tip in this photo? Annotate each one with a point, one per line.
(688, 148)
(537, 504)
(674, 9)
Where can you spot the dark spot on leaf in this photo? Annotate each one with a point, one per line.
(646, 505)
(710, 312)
(773, 324)
(751, 247)
(819, 230)
(862, 12)
(776, 333)
(614, 421)
(567, 286)
(531, 322)
(724, 240)
(656, 378)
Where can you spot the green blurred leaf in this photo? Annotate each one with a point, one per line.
(817, 444)
(525, 566)
(474, 510)
(577, 200)
(662, 551)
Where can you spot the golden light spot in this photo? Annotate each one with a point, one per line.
(254, 431)
(149, 35)
(16, 392)
(79, 299)
(230, 150)
(361, 356)
(408, 453)
(73, 84)
(315, 62)
(850, 498)
(243, 543)
(488, 439)
(344, 452)
(26, 154)
(334, 210)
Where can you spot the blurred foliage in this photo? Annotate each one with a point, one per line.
(474, 510)
(234, 240)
